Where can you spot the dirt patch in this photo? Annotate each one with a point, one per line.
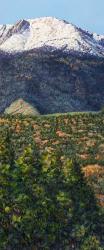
(94, 169)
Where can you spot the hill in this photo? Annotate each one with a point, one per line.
(21, 107)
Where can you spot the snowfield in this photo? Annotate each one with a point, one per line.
(51, 33)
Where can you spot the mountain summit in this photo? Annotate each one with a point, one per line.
(51, 34)
(50, 66)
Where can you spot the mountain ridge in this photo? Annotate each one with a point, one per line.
(52, 33)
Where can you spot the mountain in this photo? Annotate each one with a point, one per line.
(51, 65)
(49, 32)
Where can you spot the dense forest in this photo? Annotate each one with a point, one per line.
(52, 182)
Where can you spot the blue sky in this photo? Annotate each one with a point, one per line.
(88, 14)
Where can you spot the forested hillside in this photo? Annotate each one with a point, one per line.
(52, 182)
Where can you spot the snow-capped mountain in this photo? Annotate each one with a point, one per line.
(50, 66)
(50, 33)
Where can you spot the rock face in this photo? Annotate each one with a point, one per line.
(51, 65)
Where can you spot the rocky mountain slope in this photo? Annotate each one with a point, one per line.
(51, 65)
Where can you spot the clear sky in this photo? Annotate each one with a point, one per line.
(88, 14)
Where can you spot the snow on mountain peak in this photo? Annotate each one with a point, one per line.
(51, 33)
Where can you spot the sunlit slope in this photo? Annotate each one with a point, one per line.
(21, 107)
